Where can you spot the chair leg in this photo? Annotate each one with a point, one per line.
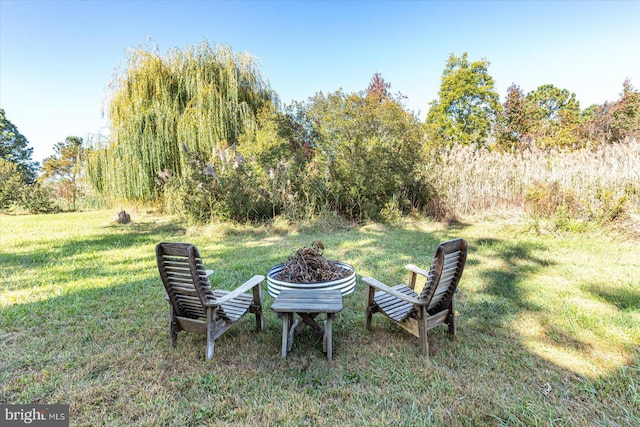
(422, 332)
(211, 317)
(174, 328)
(259, 319)
(369, 310)
(257, 307)
(451, 319)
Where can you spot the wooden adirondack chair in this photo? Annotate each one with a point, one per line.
(417, 313)
(195, 307)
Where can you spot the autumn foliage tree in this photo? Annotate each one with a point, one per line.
(546, 117)
(515, 120)
(378, 90)
(616, 121)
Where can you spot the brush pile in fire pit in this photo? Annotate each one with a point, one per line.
(308, 265)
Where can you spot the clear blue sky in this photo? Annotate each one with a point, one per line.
(57, 58)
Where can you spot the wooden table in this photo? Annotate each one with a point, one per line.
(308, 304)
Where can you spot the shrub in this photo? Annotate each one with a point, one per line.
(611, 206)
(11, 183)
(564, 220)
(547, 198)
(391, 213)
(226, 188)
(36, 199)
(367, 150)
(14, 192)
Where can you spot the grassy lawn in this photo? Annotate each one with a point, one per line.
(548, 328)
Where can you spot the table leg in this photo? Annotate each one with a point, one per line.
(286, 319)
(309, 320)
(324, 338)
(292, 331)
(328, 335)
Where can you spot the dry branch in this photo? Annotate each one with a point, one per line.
(308, 265)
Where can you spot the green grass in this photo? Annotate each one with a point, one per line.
(548, 328)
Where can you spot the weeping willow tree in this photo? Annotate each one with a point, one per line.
(203, 97)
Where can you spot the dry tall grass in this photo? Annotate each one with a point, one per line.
(593, 181)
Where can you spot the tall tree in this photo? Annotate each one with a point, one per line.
(613, 122)
(467, 104)
(203, 97)
(515, 121)
(556, 114)
(14, 148)
(63, 168)
(554, 104)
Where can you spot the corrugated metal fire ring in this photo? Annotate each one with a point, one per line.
(345, 285)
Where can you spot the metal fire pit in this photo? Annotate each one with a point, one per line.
(346, 285)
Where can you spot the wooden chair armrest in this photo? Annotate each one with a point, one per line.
(417, 270)
(246, 286)
(414, 272)
(387, 289)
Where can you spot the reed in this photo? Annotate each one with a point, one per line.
(471, 181)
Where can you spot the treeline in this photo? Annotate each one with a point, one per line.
(27, 186)
(18, 172)
(468, 112)
(200, 133)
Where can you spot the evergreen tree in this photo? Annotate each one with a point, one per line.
(14, 148)
(11, 183)
(556, 114)
(63, 168)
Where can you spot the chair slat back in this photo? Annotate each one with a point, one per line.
(434, 274)
(444, 275)
(184, 278)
